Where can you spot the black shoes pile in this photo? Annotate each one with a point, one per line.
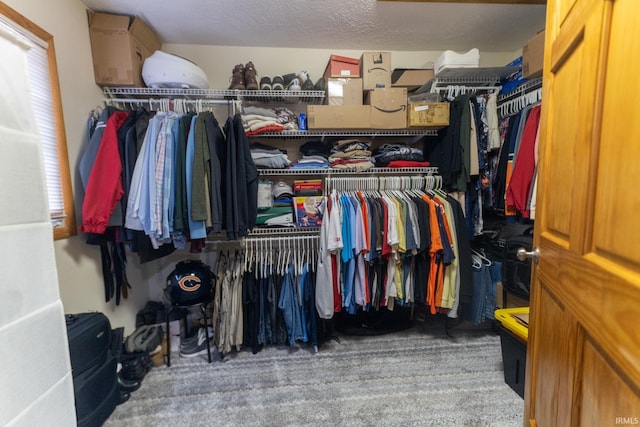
(134, 368)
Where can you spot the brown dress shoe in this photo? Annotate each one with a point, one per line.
(237, 78)
(250, 76)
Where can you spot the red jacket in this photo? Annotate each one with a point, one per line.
(522, 176)
(104, 188)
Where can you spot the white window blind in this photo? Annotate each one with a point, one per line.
(40, 85)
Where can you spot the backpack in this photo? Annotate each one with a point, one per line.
(516, 274)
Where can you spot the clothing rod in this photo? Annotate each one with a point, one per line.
(466, 88)
(525, 87)
(164, 100)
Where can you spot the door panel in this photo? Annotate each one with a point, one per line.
(620, 122)
(600, 379)
(583, 360)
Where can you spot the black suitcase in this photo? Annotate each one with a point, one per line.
(97, 393)
(89, 340)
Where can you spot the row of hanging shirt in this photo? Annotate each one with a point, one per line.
(382, 248)
(176, 177)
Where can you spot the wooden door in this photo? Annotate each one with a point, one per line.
(583, 362)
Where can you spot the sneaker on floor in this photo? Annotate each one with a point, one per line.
(250, 76)
(237, 78)
(277, 83)
(193, 340)
(265, 83)
(196, 350)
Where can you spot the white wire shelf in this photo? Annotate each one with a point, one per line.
(431, 170)
(372, 133)
(521, 89)
(287, 96)
(290, 231)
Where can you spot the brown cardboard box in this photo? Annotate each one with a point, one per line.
(342, 66)
(533, 56)
(512, 300)
(428, 114)
(388, 107)
(410, 78)
(338, 116)
(375, 68)
(344, 91)
(119, 46)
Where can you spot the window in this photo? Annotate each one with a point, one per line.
(47, 106)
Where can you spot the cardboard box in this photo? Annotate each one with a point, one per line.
(307, 211)
(533, 56)
(410, 78)
(388, 107)
(339, 116)
(341, 66)
(428, 114)
(512, 301)
(375, 69)
(344, 91)
(119, 46)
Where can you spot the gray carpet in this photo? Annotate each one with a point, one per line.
(415, 377)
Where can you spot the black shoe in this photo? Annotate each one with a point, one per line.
(321, 84)
(124, 396)
(307, 85)
(265, 83)
(288, 78)
(277, 83)
(128, 386)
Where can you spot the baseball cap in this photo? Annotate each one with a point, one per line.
(281, 189)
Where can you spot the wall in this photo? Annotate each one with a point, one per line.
(218, 61)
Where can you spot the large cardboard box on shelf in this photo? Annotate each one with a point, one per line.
(344, 91)
(342, 66)
(410, 78)
(338, 117)
(119, 46)
(533, 56)
(375, 70)
(428, 114)
(388, 107)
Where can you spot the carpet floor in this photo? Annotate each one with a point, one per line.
(416, 377)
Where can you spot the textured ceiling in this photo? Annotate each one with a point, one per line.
(335, 24)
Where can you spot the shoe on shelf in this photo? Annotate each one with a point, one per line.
(294, 85)
(303, 76)
(307, 85)
(237, 78)
(288, 78)
(250, 76)
(277, 83)
(321, 84)
(265, 83)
